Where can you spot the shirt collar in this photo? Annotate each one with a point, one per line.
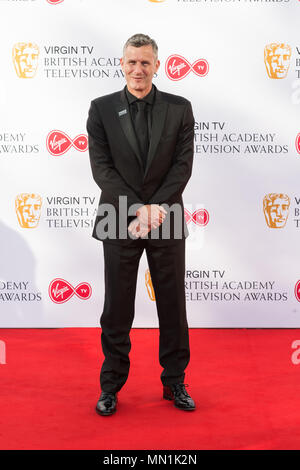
(148, 98)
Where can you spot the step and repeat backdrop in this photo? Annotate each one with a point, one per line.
(238, 62)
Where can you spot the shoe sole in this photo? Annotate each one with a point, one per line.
(102, 413)
(179, 407)
(185, 409)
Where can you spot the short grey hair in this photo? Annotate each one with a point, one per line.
(139, 40)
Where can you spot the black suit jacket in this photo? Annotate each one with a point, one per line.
(117, 166)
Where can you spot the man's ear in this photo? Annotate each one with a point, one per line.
(157, 65)
(122, 62)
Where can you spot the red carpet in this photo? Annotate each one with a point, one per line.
(244, 383)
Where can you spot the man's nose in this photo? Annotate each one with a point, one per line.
(138, 69)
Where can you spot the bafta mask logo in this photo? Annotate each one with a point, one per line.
(277, 59)
(25, 58)
(60, 291)
(28, 209)
(298, 143)
(149, 285)
(276, 209)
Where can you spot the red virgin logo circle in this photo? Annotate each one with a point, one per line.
(60, 291)
(177, 67)
(200, 217)
(58, 142)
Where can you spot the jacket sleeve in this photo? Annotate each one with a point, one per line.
(180, 172)
(104, 172)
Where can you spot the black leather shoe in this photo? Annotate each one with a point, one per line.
(107, 404)
(178, 393)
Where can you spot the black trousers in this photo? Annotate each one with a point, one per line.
(167, 269)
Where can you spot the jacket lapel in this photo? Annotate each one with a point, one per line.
(159, 113)
(123, 113)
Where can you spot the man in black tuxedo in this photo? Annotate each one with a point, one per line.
(141, 143)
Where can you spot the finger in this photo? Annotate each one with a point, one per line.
(162, 209)
(144, 233)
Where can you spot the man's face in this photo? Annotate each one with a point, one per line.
(139, 65)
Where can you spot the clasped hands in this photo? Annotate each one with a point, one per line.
(148, 217)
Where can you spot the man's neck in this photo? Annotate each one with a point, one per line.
(139, 94)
